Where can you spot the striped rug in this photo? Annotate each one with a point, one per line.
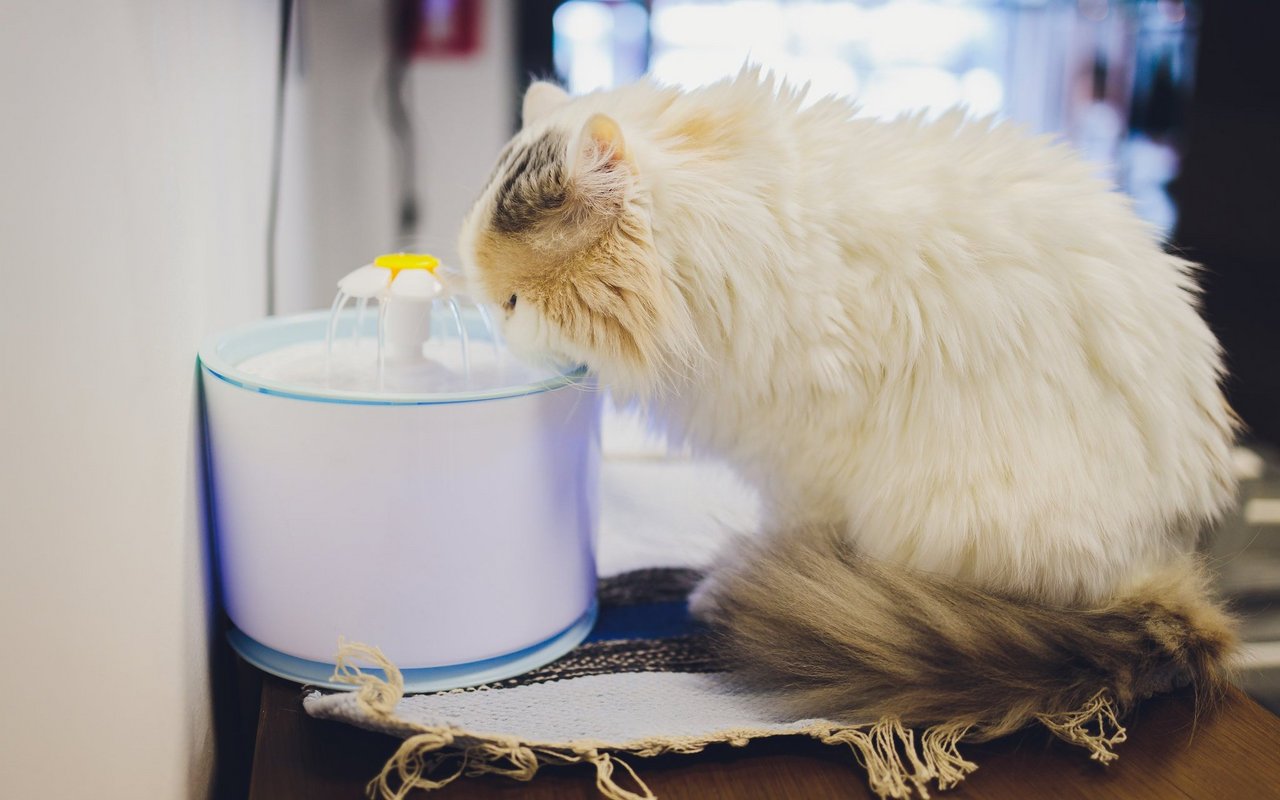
(645, 682)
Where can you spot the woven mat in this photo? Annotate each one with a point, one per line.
(646, 682)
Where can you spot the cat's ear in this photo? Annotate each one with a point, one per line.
(600, 144)
(600, 168)
(540, 99)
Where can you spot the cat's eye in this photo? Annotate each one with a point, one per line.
(510, 304)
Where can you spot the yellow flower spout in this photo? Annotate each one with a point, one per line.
(402, 261)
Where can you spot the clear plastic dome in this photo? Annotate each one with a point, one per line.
(411, 338)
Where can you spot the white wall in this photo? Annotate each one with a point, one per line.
(464, 111)
(339, 188)
(134, 149)
(133, 172)
(338, 203)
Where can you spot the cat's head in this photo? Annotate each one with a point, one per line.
(560, 241)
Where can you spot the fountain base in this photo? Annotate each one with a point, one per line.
(426, 679)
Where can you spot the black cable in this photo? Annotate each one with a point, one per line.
(277, 151)
(404, 21)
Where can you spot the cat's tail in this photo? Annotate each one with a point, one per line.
(840, 635)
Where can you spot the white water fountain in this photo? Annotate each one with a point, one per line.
(398, 478)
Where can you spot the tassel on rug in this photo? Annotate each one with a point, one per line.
(1093, 727)
(879, 749)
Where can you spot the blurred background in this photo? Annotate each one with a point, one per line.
(168, 170)
(1114, 78)
(393, 118)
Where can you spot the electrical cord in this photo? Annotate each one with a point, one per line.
(404, 21)
(277, 150)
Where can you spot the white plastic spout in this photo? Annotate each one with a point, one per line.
(407, 327)
(404, 286)
(408, 317)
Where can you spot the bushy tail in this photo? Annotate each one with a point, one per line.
(841, 635)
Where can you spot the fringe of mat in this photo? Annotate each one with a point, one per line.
(897, 765)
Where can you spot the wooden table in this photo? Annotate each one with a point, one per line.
(1234, 753)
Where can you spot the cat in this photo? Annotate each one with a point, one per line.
(977, 398)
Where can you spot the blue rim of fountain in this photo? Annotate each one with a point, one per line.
(218, 355)
(424, 679)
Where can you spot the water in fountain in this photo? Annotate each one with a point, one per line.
(353, 355)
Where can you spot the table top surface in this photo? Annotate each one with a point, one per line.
(1232, 752)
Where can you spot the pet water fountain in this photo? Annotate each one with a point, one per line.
(398, 478)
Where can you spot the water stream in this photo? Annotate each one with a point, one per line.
(356, 358)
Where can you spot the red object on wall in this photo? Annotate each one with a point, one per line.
(450, 28)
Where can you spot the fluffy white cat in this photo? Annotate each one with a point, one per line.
(975, 394)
